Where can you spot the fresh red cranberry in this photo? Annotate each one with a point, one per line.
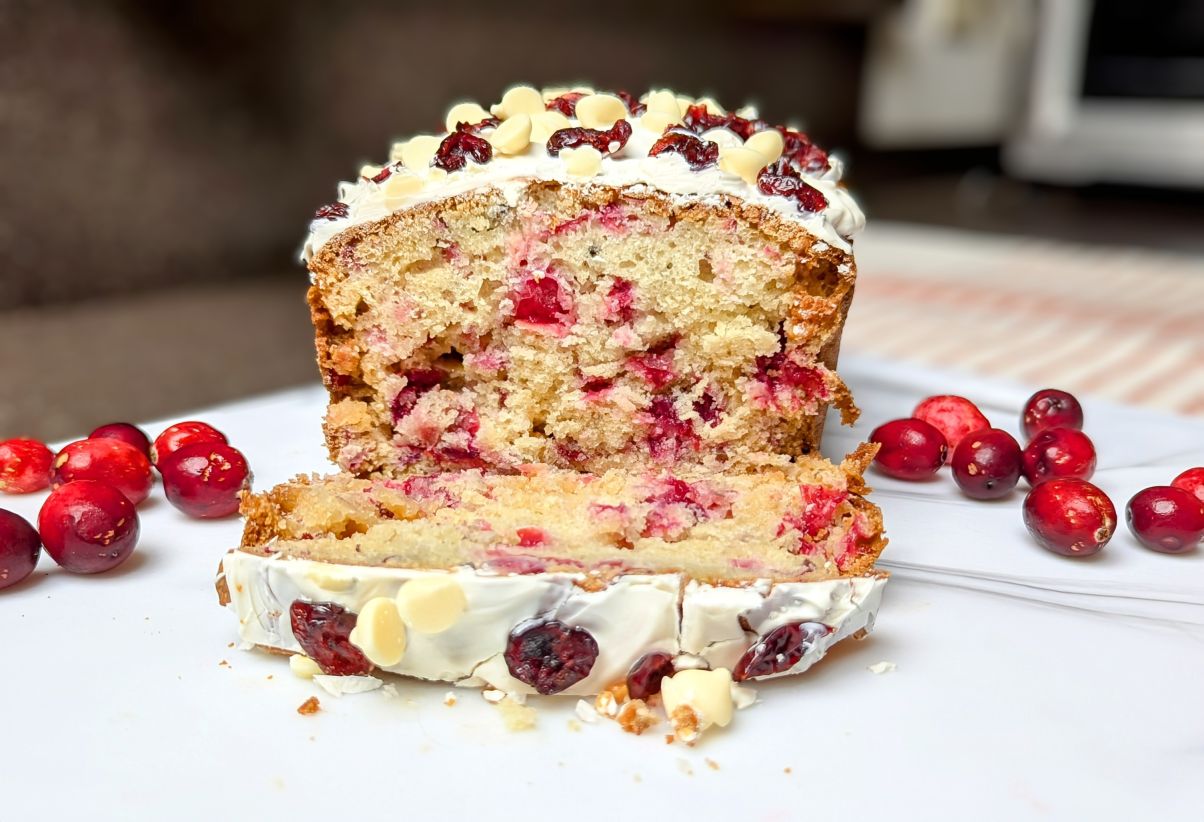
(566, 104)
(127, 433)
(708, 408)
(110, 461)
(460, 146)
(1191, 481)
(781, 179)
(699, 154)
(1059, 452)
(88, 527)
(418, 382)
(986, 464)
(620, 301)
(541, 302)
(812, 518)
(645, 677)
(910, 449)
(1051, 408)
(1166, 519)
(669, 436)
(204, 479)
(20, 548)
(606, 141)
(177, 436)
(1069, 516)
(655, 365)
(549, 655)
(531, 537)
(634, 106)
(332, 211)
(323, 630)
(779, 650)
(25, 465)
(788, 384)
(952, 415)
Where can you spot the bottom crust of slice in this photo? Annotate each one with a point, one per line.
(699, 624)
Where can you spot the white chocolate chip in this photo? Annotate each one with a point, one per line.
(748, 112)
(658, 121)
(399, 187)
(600, 111)
(707, 693)
(662, 101)
(723, 138)
(768, 143)
(545, 123)
(582, 162)
(513, 135)
(743, 162)
(431, 605)
(303, 666)
(518, 100)
(711, 106)
(331, 580)
(418, 152)
(379, 632)
(470, 113)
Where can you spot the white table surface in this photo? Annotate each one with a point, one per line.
(114, 705)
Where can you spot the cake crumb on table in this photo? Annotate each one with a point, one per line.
(883, 667)
(449, 699)
(516, 716)
(309, 707)
(712, 764)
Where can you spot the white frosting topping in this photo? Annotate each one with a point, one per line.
(630, 168)
(635, 614)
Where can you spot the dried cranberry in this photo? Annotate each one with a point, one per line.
(644, 678)
(566, 104)
(607, 142)
(20, 548)
(204, 479)
(1166, 519)
(779, 650)
(541, 302)
(1192, 481)
(1051, 408)
(697, 119)
(418, 382)
(549, 655)
(1071, 517)
(986, 464)
(634, 106)
(382, 175)
(1059, 452)
(784, 181)
(125, 432)
(455, 150)
(88, 527)
(110, 461)
(332, 211)
(669, 436)
(25, 465)
(699, 154)
(800, 151)
(952, 415)
(177, 436)
(910, 449)
(323, 630)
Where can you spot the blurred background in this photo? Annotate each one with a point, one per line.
(1033, 173)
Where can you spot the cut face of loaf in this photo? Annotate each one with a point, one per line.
(585, 327)
(804, 521)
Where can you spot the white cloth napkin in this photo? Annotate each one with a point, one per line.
(939, 536)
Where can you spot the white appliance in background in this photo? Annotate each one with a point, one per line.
(944, 73)
(1117, 94)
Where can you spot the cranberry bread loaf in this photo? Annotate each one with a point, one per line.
(477, 578)
(588, 281)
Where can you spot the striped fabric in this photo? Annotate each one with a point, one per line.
(1121, 323)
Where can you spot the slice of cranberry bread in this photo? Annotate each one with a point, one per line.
(465, 576)
(588, 281)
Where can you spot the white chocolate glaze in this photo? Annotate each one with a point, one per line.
(629, 168)
(633, 615)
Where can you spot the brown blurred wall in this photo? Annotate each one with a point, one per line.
(148, 144)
